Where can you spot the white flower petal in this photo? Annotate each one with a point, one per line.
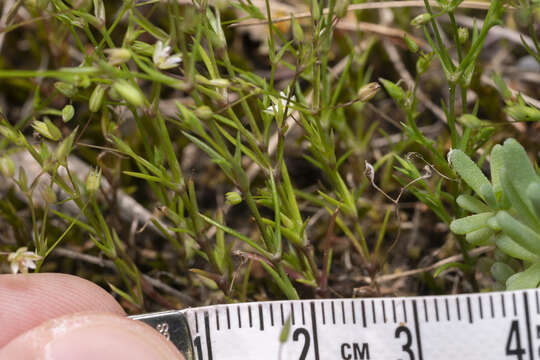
(170, 62)
(14, 267)
(28, 264)
(158, 47)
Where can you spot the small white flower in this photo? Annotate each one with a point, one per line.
(22, 260)
(278, 104)
(162, 59)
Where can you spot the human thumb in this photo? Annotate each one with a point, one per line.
(86, 336)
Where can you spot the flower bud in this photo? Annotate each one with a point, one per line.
(47, 129)
(423, 63)
(393, 90)
(83, 81)
(522, 113)
(96, 99)
(48, 194)
(11, 134)
(473, 122)
(421, 19)
(204, 112)
(64, 148)
(129, 92)
(411, 44)
(66, 89)
(298, 33)
(341, 8)
(118, 56)
(219, 83)
(233, 198)
(463, 35)
(7, 166)
(93, 181)
(368, 91)
(67, 113)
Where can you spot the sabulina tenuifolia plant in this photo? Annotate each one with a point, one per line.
(505, 211)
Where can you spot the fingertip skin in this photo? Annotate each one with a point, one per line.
(31, 299)
(89, 336)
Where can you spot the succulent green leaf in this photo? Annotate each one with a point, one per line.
(480, 236)
(518, 202)
(510, 247)
(501, 271)
(527, 279)
(469, 172)
(519, 232)
(472, 204)
(487, 193)
(470, 223)
(493, 224)
(519, 168)
(496, 164)
(533, 193)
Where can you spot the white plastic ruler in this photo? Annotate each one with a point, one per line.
(498, 325)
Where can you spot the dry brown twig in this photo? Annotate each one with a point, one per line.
(478, 5)
(389, 277)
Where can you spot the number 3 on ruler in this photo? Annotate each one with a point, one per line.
(407, 346)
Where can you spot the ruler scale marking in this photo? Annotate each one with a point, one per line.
(314, 330)
(417, 331)
(383, 311)
(364, 322)
(475, 329)
(514, 304)
(292, 314)
(271, 315)
(528, 323)
(239, 316)
(425, 311)
(261, 318)
(394, 310)
(207, 333)
(404, 311)
(469, 310)
(503, 305)
(303, 316)
(481, 308)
